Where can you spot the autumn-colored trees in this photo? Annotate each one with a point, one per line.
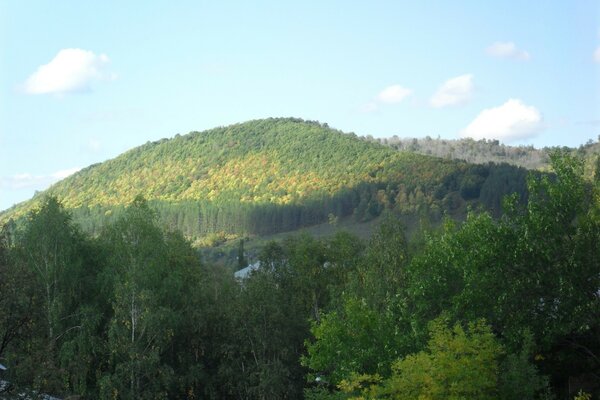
(273, 175)
(489, 308)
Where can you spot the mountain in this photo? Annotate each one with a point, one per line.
(274, 175)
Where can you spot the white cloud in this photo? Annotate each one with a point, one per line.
(597, 55)
(511, 121)
(507, 50)
(38, 182)
(70, 71)
(454, 92)
(393, 94)
(390, 95)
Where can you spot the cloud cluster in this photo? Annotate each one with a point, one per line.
(393, 94)
(511, 121)
(70, 71)
(390, 95)
(454, 92)
(39, 182)
(507, 50)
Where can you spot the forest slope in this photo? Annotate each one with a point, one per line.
(274, 175)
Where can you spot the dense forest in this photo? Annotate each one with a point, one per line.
(490, 308)
(275, 175)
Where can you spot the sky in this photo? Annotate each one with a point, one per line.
(82, 82)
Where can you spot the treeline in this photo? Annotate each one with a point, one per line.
(450, 193)
(484, 151)
(491, 308)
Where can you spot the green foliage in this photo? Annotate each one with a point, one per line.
(381, 272)
(266, 342)
(133, 313)
(145, 269)
(457, 364)
(266, 176)
(364, 331)
(535, 270)
(49, 250)
(321, 393)
(356, 340)
(18, 300)
(519, 377)
(360, 386)
(49, 245)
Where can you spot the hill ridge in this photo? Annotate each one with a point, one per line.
(270, 175)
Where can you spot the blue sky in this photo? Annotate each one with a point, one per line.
(81, 82)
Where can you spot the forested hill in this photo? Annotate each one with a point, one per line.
(274, 175)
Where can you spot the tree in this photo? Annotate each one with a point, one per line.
(457, 364)
(536, 269)
(307, 273)
(49, 244)
(356, 340)
(49, 248)
(380, 273)
(17, 294)
(266, 342)
(142, 325)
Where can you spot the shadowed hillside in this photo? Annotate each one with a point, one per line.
(274, 175)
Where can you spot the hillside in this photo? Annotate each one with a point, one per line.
(274, 175)
(484, 151)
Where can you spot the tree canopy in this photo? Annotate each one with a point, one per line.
(486, 308)
(273, 175)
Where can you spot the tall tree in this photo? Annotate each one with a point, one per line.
(141, 326)
(17, 294)
(50, 246)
